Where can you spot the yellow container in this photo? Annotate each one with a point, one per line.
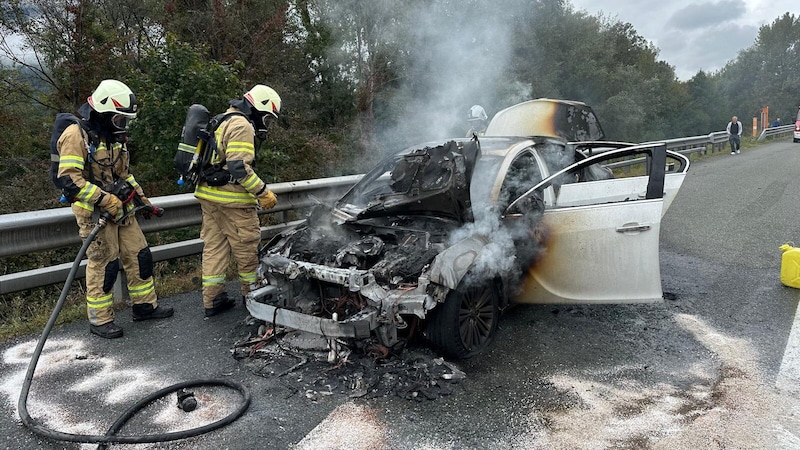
(790, 266)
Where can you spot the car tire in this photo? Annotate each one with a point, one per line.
(466, 322)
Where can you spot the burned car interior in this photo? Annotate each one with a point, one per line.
(440, 238)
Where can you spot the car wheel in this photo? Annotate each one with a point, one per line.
(466, 323)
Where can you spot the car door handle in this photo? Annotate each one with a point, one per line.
(632, 228)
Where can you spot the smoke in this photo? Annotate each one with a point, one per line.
(448, 57)
(461, 54)
(511, 244)
(499, 256)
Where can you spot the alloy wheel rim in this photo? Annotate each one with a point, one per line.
(476, 317)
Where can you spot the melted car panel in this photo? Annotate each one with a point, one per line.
(426, 181)
(355, 261)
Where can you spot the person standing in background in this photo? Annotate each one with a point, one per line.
(478, 121)
(734, 129)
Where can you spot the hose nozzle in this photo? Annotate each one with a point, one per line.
(186, 400)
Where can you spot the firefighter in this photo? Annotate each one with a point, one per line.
(230, 192)
(94, 168)
(478, 120)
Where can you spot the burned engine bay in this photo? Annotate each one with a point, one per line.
(357, 268)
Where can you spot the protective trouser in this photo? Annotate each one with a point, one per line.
(114, 244)
(228, 231)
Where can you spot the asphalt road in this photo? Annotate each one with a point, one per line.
(716, 366)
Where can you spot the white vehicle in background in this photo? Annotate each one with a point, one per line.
(442, 237)
(797, 127)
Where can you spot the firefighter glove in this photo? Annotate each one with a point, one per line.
(267, 200)
(113, 205)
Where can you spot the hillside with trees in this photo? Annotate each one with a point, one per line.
(358, 78)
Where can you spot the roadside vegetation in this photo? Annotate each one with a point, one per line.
(358, 79)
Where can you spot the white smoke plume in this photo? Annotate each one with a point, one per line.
(498, 257)
(461, 52)
(458, 54)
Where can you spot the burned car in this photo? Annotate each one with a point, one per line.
(442, 237)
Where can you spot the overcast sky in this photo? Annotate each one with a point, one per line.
(694, 34)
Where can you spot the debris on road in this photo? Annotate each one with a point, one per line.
(359, 370)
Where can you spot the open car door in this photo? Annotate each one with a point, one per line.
(600, 227)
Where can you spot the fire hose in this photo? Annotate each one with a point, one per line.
(110, 436)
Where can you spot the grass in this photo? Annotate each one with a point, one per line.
(27, 312)
(639, 169)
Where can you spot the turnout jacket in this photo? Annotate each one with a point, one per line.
(90, 167)
(235, 153)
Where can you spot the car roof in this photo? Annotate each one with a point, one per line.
(561, 119)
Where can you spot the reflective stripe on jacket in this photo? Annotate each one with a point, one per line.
(104, 164)
(235, 153)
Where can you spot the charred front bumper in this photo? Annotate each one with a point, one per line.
(357, 326)
(295, 295)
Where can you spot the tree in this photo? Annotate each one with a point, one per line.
(602, 62)
(68, 47)
(778, 82)
(708, 108)
(173, 78)
(367, 48)
(766, 73)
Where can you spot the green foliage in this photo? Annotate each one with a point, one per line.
(765, 74)
(73, 45)
(706, 105)
(28, 312)
(24, 149)
(172, 78)
(778, 80)
(360, 78)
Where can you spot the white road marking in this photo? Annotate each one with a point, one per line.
(104, 377)
(349, 426)
(789, 373)
(788, 381)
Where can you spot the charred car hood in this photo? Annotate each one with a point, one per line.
(430, 181)
(389, 226)
(394, 249)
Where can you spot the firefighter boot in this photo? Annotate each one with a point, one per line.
(145, 311)
(221, 303)
(108, 330)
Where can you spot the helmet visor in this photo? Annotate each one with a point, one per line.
(120, 122)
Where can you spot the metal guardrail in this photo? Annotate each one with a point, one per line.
(33, 231)
(775, 132)
(28, 232)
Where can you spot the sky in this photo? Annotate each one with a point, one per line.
(694, 35)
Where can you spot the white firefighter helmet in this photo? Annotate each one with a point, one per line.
(112, 96)
(476, 113)
(264, 99)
